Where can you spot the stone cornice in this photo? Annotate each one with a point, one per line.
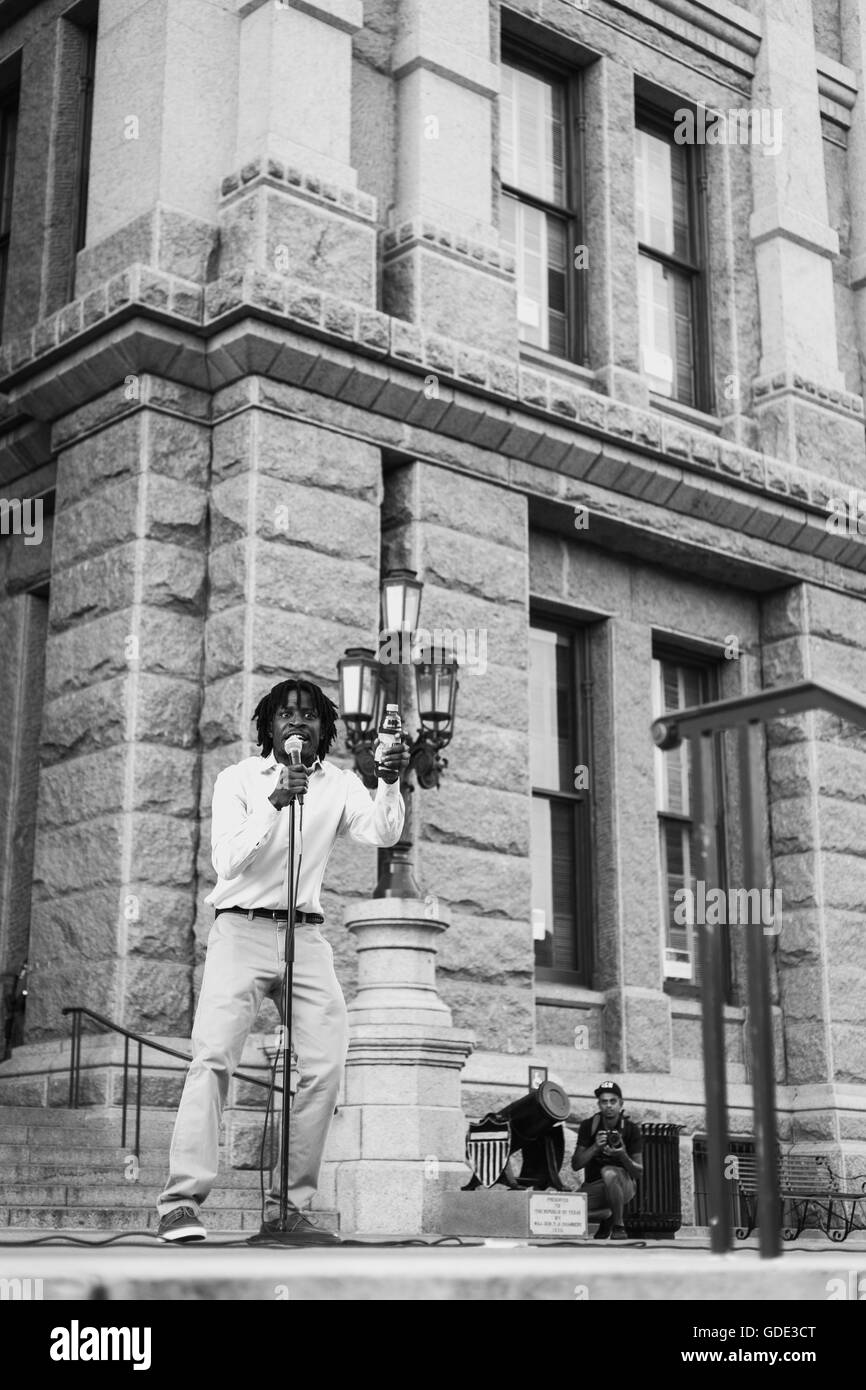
(421, 232)
(347, 15)
(275, 174)
(257, 324)
(837, 90)
(726, 32)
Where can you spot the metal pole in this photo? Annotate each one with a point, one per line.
(125, 1075)
(712, 1012)
(138, 1107)
(760, 1009)
(288, 987)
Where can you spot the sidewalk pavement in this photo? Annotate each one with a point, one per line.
(138, 1267)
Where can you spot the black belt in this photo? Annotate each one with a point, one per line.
(273, 914)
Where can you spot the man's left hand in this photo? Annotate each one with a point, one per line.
(393, 762)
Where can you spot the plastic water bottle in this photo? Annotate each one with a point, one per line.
(390, 731)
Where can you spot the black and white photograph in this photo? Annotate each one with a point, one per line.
(432, 670)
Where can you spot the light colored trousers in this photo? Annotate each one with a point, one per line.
(244, 965)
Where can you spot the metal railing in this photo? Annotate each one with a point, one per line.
(77, 1011)
(702, 724)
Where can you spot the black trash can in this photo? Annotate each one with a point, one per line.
(656, 1208)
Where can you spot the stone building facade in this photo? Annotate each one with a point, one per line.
(296, 292)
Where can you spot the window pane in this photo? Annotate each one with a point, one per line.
(532, 143)
(666, 330)
(8, 132)
(553, 831)
(557, 283)
(662, 195)
(676, 874)
(551, 711)
(677, 686)
(538, 243)
(541, 864)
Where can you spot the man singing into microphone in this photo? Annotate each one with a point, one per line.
(246, 948)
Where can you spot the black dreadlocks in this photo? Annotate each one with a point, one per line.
(276, 698)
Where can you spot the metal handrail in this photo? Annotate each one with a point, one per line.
(701, 724)
(670, 729)
(129, 1036)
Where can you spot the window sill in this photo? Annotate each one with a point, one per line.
(689, 416)
(691, 1008)
(552, 989)
(545, 361)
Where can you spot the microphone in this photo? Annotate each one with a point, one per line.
(293, 746)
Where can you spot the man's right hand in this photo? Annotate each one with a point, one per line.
(292, 780)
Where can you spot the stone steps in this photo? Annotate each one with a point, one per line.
(133, 1194)
(113, 1218)
(64, 1169)
(71, 1170)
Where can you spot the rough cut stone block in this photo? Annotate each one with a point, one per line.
(161, 928)
(87, 653)
(157, 996)
(302, 453)
(277, 231)
(59, 979)
(176, 513)
(107, 519)
(321, 586)
(465, 815)
(486, 948)
(107, 456)
(84, 720)
(80, 856)
(501, 1016)
(458, 561)
(163, 848)
(179, 449)
(166, 711)
(295, 513)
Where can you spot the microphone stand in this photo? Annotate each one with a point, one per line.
(288, 986)
(282, 1235)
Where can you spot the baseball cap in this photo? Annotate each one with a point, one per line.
(608, 1085)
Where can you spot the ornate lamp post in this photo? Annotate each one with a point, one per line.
(369, 681)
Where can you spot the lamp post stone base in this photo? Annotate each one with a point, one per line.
(398, 1140)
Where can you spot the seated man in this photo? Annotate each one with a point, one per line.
(609, 1149)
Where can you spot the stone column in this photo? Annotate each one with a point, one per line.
(443, 269)
(290, 202)
(468, 538)
(114, 872)
(294, 581)
(816, 773)
(803, 410)
(164, 120)
(637, 1016)
(398, 1140)
(295, 89)
(611, 232)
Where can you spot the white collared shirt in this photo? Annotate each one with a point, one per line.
(250, 838)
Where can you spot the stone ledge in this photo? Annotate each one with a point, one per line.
(764, 389)
(275, 174)
(420, 231)
(444, 362)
